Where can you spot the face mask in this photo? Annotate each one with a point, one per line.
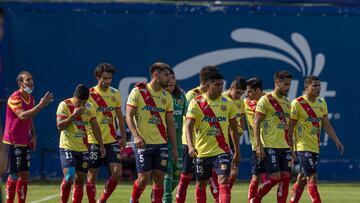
(28, 90)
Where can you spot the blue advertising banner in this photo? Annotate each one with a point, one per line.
(60, 44)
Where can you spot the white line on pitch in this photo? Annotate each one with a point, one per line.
(45, 199)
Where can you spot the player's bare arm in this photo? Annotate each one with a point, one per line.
(121, 123)
(46, 100)
(189, 129)
(97, 134)
(235, 138)
(130, 114)
(331, 132)
(292, 124)
(259, 117)
(62, 123)
(172, 134)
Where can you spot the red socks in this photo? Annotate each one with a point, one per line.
(313, 192)
(225, 193)
(10, 190)
(91, 192)
(283, 189)
(266, 187)
(157, 194)
(65, 191)
(214, 185)
(253, 189)
(21, 189)
(200, 194)
(78, 193)
(136, 193)
(110, 186)
(296, 193)
(182, 187)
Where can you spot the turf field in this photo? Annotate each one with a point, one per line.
(330, 193)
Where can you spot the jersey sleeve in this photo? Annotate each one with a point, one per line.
(15, 103)
(189, 95)
(261, 106)
(325, 108)
(170, 103)
(294, 112)
(62, 110)
(118, 99)
(133, 98)
(242, 106)
(232, 110)
(192, 109)
(92, 111)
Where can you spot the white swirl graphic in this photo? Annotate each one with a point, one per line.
(284, 52)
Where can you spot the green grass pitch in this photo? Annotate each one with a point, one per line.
(330, 192)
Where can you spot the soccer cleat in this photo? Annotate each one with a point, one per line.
(103, 202)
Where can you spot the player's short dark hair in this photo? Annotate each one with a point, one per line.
(159, 67)
(103, 67)
(309, 79)
(82, 92)
(281, 75)
(255, 83)
(205, 70)
(213, 75)
(238, 83)
(20, 76)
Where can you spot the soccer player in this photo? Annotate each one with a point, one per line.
(272, 141)
(149, 115)
(234, 93)
(188, 163)
(172, 176)
(309, 114)
(73, 117)
(209, 117)
(107, 102)
(254, 92)
(19, 135)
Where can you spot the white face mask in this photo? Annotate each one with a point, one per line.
(28, 90)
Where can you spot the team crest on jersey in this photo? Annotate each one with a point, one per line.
(113, 90)
(319, 100)
(163, 162)
(223, 107)
(223, 99)
(163, 101)
(223, 167)
(179, 102)
(118, 156)
(85, 165)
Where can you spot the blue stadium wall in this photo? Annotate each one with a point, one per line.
(60, 44)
